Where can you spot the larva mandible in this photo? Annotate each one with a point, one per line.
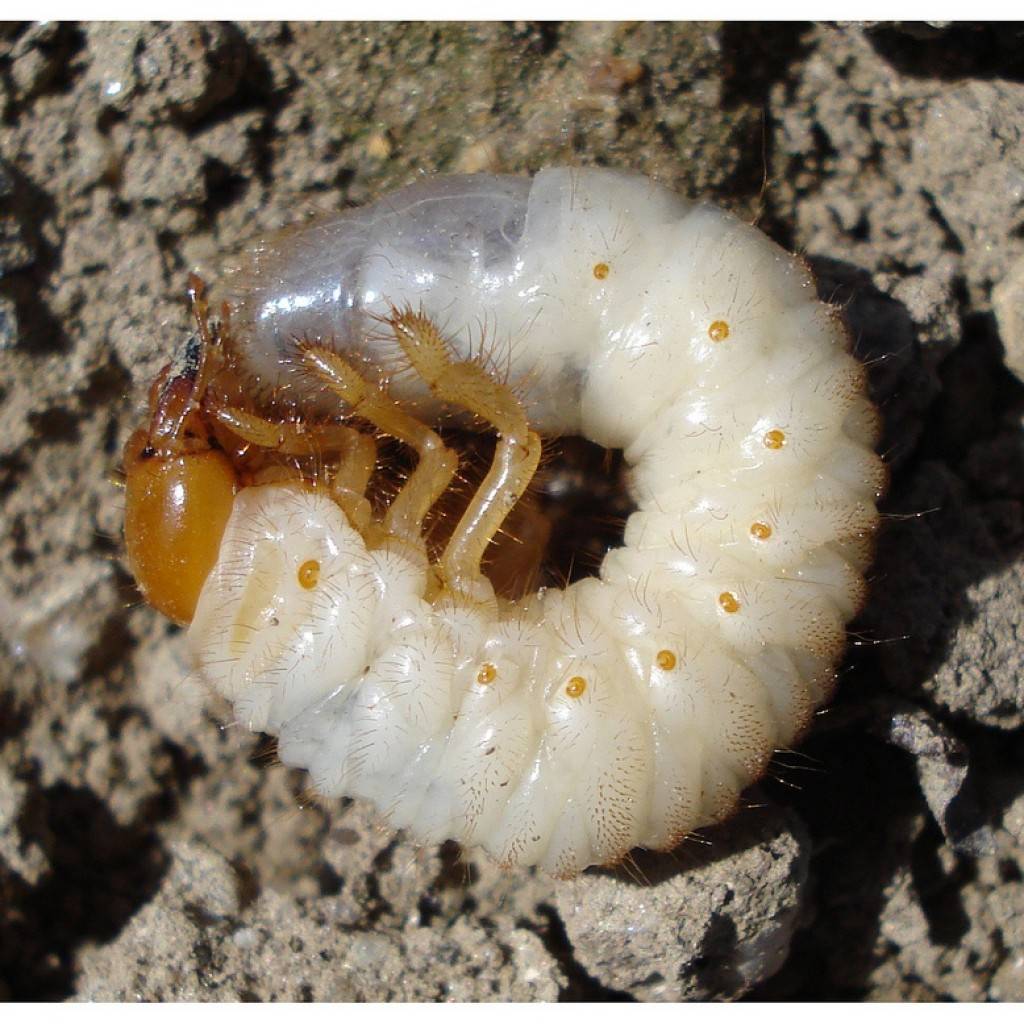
(570, 726)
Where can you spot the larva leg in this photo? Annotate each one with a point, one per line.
(470, 386)
(436, 464)
(352, 477)
(514, 559)
(357, 453)
(289, 438)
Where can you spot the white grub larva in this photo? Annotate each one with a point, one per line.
(565, 728)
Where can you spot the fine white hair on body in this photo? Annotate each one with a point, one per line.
(627, 709)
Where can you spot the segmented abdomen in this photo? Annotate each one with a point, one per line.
(627, 709)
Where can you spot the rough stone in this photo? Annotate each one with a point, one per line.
(278, 950)
(1008, 303)
(970, 162)
(182, 70)
(983, 673)
(16, 251)
(27, 860)
(709, 930)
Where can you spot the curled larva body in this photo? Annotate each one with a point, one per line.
(627, 709)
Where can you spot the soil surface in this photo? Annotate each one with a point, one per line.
(150, 851)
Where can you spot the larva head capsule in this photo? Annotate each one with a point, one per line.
(179, 487)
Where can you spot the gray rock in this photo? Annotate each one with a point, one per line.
(16, 250)
(970, 162)
(711, 929)
(196, 940)
(1008, 303)
(8, 323)
(983, 674)
(37, 57)
(941, 762)
(163, 72)
(25, 859)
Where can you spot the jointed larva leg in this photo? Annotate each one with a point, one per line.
(516, 457)
(290, 438)
(353, 454)
(436, 465)
(566, 726)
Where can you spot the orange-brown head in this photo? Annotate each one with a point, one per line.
(176, 508)
(179, 491)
